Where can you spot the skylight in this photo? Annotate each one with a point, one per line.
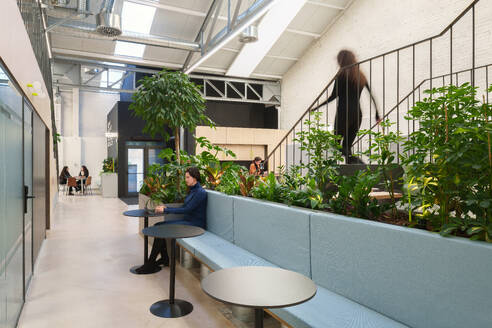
(270, 29)
(129, 49)
(135, 18)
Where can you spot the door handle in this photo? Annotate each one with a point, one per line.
(26, 197)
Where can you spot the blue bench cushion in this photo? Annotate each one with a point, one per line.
(220, 219)
(218, 253)
(330, 310)
(275, 232)
(422, 279)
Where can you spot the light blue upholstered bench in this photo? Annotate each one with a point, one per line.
(240, 231)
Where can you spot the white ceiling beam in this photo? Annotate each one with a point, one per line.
(266, 76)
(127, 60)
(267, 56)
(324, 4)
(270, 28)
(310, 34)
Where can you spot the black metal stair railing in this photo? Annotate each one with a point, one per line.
(432, 61)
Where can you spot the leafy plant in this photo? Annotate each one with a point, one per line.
(309, 196)
(246, 183)
(109, 165)
(380, 152)
(230, 180)
(269, 188)
(449, 161)
(353, 195)
(323, 150)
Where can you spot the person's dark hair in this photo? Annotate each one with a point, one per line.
(86, 171)
(195, 173)
(257, 158)
(64, 171)
(353, 74)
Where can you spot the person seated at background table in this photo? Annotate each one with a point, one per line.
(195, 210)
(64, 175)
(255, 168)
(84, 172)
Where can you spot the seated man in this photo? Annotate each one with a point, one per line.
(195, 210)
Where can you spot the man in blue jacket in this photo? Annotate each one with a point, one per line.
(195, 210)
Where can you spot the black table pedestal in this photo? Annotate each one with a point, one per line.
(155, 269)
(171, 308)
(258, 318)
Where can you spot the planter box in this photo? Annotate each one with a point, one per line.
(142, 200)
(109, 185)
(413, 276)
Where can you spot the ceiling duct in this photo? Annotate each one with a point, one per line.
(250, 34)
(108, 23)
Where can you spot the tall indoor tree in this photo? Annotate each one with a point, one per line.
(169, 99)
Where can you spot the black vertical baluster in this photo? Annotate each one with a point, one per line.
(337, 119)
(347, 146)
(473, 48)
(413, 87)
(370, 108)
(384, 86)
(398, 103)
(326, 118)
(487, 83)
(358, 104)
(451, 56)
(309, 126)
(294, 146)
(430, 80)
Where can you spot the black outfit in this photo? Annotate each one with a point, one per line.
(349, 115)
(63, 181)
(84, 174)
(195, 209)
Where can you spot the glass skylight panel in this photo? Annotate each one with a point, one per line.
(129, 49)
(137, 18)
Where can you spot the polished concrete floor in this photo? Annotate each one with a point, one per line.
(82, 276)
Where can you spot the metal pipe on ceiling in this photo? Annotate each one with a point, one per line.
(86, 32)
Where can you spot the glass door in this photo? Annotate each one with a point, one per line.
(11, 202)
(28, 192)
(135, 170)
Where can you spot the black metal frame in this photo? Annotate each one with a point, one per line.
(410, 97)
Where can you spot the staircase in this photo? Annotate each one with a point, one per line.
(398, 79)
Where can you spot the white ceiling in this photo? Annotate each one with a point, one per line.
(181, 19)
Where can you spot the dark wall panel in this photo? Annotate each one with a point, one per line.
(39, 185)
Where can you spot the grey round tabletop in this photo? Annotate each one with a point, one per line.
(140, 213)
(173, 231)
(259, 287)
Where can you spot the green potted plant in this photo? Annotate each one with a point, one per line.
(109, 178)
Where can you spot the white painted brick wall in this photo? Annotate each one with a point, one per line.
(372, 27)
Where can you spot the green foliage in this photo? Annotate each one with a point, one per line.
(448, 162)
(353, 195)
(169, 99)
(379, 151)
(269, 188)
(309, 196)
(109, 165)
(229, 184)
(246, 183)
(323, 149)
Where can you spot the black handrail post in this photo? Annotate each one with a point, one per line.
(473, 47)
(397, 104)
(370, 109)
(451, 56)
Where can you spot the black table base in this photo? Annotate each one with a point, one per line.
(146, 254)
(165, 309)
(148, 271)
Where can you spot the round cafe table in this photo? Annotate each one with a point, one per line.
(259, 288)
(141, 213)
(172, 308)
